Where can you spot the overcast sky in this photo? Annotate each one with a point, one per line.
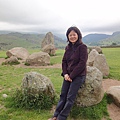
(42, 16)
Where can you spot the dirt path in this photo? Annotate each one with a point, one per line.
(113, 110)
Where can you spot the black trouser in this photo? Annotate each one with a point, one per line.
(68, 94)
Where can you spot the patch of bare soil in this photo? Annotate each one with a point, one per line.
(36, 66)
(2, 60)
(113, 110)
(109, 82)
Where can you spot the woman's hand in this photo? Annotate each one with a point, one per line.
(67, 78)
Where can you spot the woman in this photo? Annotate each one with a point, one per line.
(73, 71)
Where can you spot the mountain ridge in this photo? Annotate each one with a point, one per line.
(102, 39)
(17, 39)
(9, 40)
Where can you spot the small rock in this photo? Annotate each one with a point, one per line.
(5, 95)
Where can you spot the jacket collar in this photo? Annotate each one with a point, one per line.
(76, 44)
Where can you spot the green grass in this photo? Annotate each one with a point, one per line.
(57, 58)
(11, 78)
(98, 111)
(21, 114)
(113, 57)
(3, 54)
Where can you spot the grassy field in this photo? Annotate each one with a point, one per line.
(113, 56)
(11, 78)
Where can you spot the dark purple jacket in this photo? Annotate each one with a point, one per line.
(74, 60)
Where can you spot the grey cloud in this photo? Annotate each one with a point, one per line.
(22, 14)
(106, 28)
(45, 29)
(37, 18)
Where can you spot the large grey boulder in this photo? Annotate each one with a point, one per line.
(19, 52)
(101, 63)
(11, 60)
(38, 58)
(37, 83)
(91, 92)
(114, 93)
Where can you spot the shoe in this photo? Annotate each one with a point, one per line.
(54, 118)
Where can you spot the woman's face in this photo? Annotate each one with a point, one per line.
(73, 36)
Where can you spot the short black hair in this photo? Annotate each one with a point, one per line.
(76, 30)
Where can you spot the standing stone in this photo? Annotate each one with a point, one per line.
(49, 39)
(91, 57)
(91, 92)
(50, 49)
(47, 44)
(101, 63)
(97, 48)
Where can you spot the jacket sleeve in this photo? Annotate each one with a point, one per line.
(64, 65)
(82, 62)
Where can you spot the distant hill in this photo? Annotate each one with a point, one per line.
(4, 32)
(94, 39)
(16, 39)
(102, 39)
(59, 42)
(116, 33)
(114, 39)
